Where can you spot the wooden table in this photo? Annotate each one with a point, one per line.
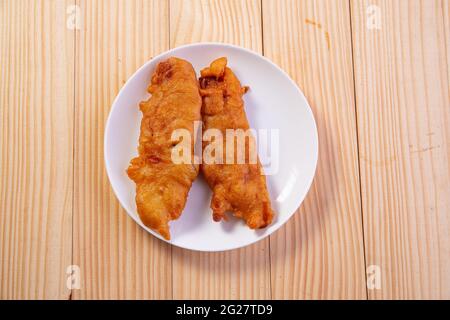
(377, 76)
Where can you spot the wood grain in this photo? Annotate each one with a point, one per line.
(319, 253)
(118, 260)
(237, 274)
(446, 16)
(403, 107)
(381, 99)
(36, 107)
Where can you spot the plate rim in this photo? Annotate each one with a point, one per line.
(209, 44)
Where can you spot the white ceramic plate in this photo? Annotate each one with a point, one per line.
(274, 102)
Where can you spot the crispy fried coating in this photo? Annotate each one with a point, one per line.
(161, 185)
(238, 188)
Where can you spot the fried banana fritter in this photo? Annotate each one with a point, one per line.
(238, 188)
(161, 185)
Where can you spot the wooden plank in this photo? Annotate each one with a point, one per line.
(319, 253)
(116, 257)
(402, 97)
(446, 16)
(36, 107)
(237, 274)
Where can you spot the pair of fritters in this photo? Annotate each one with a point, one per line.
(177, 100)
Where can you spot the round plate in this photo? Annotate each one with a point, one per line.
(273, 103)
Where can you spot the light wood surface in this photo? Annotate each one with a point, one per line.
(236, 274)
(117, 258)
(36, 151)
(403, 106)
(381, 195)
(319, 253)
